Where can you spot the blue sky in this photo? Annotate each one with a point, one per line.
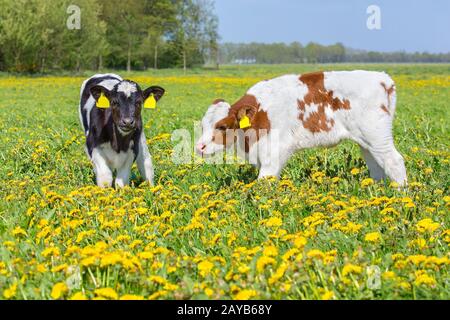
(407, 25)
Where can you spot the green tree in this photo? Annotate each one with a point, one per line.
(161, 22)
(125, 23)
(18, 40)
(87, 46)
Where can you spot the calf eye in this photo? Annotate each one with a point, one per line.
(221, 128)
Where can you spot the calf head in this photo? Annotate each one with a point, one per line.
(223, 123)
(125, 100)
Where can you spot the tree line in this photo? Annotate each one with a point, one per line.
(244, 53)
(36, 35)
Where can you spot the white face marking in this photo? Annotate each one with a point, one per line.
(214, 114)
(126, 88)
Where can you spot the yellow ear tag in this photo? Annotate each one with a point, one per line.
(150, 102)
(103, 102)
(244, 123)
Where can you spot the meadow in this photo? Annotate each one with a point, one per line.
(325, 230)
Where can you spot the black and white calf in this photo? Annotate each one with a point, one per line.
(113, 127)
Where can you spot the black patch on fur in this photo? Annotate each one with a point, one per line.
(103, 130)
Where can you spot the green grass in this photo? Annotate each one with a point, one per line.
(209, 231)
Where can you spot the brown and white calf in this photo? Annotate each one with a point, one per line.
(114, 133)
(294, 112)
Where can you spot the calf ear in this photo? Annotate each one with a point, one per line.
(151, 96)
(244, 116)
(101, 96)
(156, 91)
(246, 111)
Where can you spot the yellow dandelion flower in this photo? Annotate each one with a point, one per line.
(289, 254)
(157, 294)
(157, 279)
(270, 251)
(209, 292)
(422, 278)
(245, 294)
(300, 242)
(427, 225)
(262, 262)
(243, 269)
(388, 275)
(170, 287)
(351, 268)
(86, 262)
(18, 231)
(51, 251)
(11, 291)
(78, 296)
(315, 254)
(278, 274)
(421, 243)
(131, 297)
(274, 222)
(373, 237)
(108, 293)
(60, 267)
(58, 290)
(327, 295)
(397, 256)
(335, 179)
(205, 268)
(142, 211)
(367, 182)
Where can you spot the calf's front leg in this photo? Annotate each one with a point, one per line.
(123, 173)
(271, 168)
(272, 158)
(103, 173)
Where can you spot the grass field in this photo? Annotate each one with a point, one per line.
(324, 231)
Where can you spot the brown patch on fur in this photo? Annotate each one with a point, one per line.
(218, 101)
(318, 95)
(389, 92)
(383, 107)
(247, 105)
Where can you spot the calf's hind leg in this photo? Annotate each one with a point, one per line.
(144, 160)
(103, 173)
